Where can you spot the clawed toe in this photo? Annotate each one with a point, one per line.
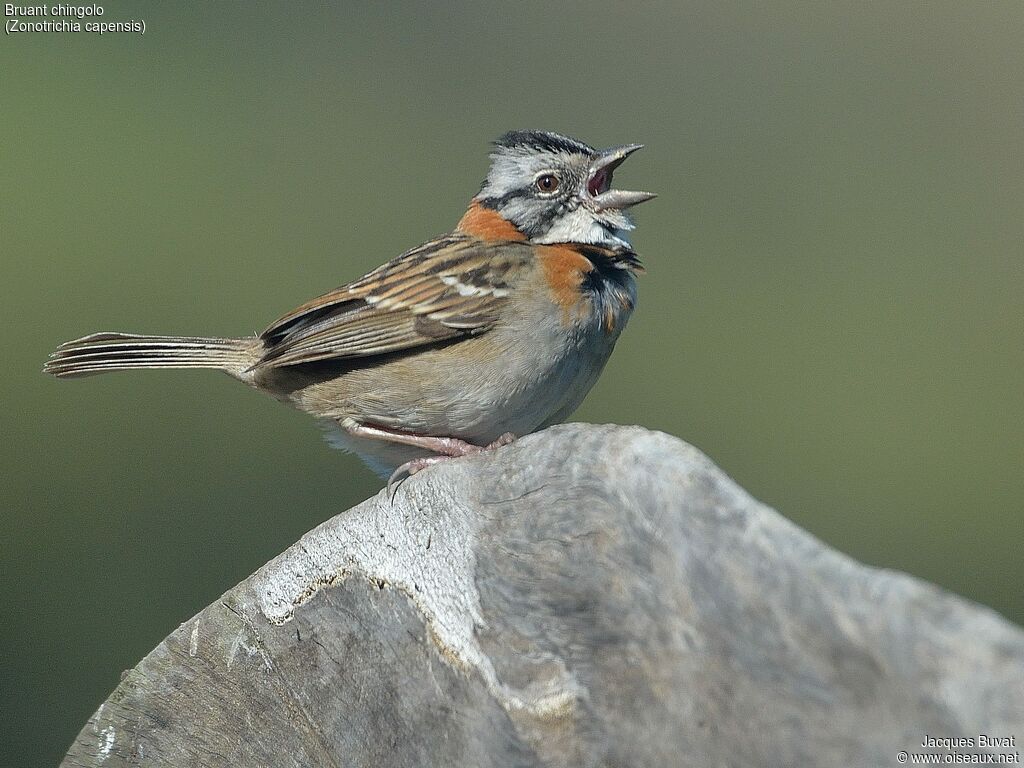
(506, 439)
(409, 469)
(457, 448)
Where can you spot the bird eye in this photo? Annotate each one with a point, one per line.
(547, 183)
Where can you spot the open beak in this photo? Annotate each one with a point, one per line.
(598, 193)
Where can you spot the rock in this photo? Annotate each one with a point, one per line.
(588, 596)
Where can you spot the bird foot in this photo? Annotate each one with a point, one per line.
(452, 448)
(507, 439)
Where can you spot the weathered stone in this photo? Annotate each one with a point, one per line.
(588, 596)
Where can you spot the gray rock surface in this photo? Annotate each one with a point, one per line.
(588, 596)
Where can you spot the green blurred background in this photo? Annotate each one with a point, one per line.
(833, 308)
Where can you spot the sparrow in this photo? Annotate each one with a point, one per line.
(492, 331)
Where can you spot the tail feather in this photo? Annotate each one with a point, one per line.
(102, 352)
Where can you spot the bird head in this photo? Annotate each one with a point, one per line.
(556, 189)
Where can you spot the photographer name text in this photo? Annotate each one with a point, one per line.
(960, 742)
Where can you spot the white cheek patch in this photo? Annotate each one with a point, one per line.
(580, 226)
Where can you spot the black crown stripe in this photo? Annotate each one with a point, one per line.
(544, 141)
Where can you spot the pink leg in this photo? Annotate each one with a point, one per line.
(445, 447)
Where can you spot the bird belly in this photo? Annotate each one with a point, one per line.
(516, 378)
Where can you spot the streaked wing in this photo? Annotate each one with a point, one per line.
(450, 287)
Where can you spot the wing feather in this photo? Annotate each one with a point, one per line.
(453, 287)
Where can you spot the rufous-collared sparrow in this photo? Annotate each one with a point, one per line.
(497, 329)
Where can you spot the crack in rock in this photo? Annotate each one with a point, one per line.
(427, 556)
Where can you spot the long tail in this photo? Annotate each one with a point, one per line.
(102, 352)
